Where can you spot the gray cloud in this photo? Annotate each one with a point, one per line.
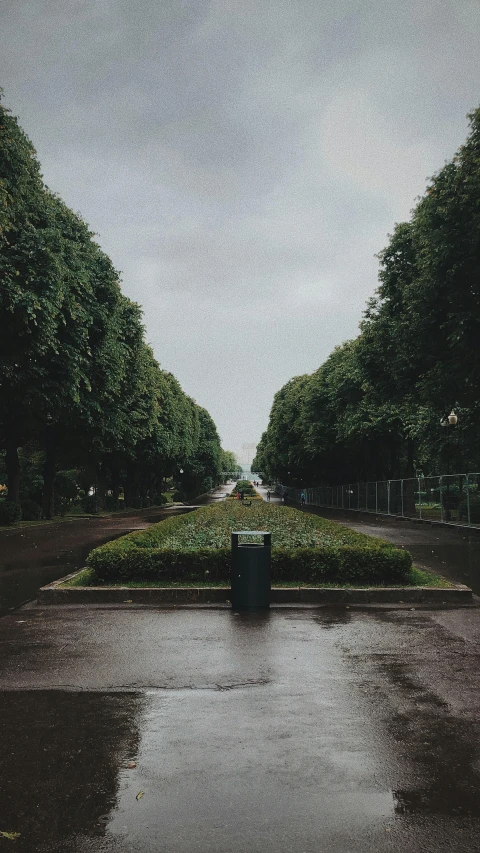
(242, 162)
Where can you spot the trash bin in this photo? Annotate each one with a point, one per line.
(251, 571)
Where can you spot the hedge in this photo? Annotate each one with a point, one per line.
(10, 512)
(148, 555)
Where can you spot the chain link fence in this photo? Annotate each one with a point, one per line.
(449, 498)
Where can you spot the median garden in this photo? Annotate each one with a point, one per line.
(194, 550)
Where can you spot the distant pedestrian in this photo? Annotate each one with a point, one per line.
(268, 495)
(303, 498)
(285, 497)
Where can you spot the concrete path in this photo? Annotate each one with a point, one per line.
(274, 498)
(135, 730)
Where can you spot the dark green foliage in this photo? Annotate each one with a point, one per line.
(159, 500)
(111, 503)
(90, 504)
(66, 484)
(80, 390)
(147, 555)
(31, 511)
(346, 564)
(245, 488)
(10, 512)
(474, 501)
(136, 503)
(372, 411)
(230, 466)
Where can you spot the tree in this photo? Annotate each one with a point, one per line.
(78, 384)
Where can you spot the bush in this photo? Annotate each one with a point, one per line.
(116, 563)
(474, 509)
(31, 511)
(136, 503)
(160, 500)
(245, 488)
(10, 512)
(111, 503)
(195, 547)
(90, 504)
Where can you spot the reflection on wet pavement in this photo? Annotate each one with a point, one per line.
(318, 731)
(62, 755)
(448, 551)
(35, 555)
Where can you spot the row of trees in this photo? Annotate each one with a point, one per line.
(80, 390)
(373, 409)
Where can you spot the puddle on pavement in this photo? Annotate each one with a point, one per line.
(443, 750)
(62, 755)
(40, 555)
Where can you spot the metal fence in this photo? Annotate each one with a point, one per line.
(449, 498)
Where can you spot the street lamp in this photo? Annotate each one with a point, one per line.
(449, 421)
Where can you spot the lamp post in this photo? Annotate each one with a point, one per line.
(449, 422)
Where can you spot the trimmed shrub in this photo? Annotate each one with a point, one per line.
(111, 503)
(159, 500)
(90, 504)
(31, 511)
(10, 512)
(233, 497)
(245, 488)
(194, 547)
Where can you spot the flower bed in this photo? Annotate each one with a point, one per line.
(196, 547)
(245, 488)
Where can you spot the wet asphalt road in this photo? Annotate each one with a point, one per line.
(448, 551)
(34, 555)
(300, 729)
(271, 732)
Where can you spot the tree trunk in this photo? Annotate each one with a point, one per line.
(101, 489)
(13, 470)
(49, 473)
(116, 483)
(128, 489)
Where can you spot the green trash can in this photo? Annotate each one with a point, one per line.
(251, 586)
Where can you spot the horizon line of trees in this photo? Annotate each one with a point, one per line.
(372, 411)
(82, 398)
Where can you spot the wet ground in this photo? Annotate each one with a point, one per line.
(451, 552)
(34, 555)
(205, 731)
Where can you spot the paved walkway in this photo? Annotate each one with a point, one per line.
(137, 730)
(274, 498)
(454, 553)
(37, 554)
(130, 729)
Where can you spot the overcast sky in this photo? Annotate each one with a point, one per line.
(242, 162)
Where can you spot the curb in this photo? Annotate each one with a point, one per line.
(54, 593)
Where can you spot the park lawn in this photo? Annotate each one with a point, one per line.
(195, 548)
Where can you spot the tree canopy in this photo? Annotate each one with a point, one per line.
(80, 390)
(373, 409)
